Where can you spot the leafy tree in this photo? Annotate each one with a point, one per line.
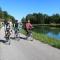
(39, 18)
(56, 18)
(0, 13)
(4, 15)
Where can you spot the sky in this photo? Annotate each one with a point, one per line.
(20, 8)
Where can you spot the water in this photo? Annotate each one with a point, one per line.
(52, 35)
(52, 32)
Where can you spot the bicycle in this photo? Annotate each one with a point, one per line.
(16, 33)
(7, 35)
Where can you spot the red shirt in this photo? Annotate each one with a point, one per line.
(28, 26)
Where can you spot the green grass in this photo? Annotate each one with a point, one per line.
(23, 31)
(44, 38)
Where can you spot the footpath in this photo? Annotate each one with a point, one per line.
(26, 50)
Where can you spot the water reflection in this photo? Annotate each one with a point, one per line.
(52, 35)
(52, 32)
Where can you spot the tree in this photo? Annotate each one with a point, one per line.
(23, 20)
(39, 18)
(5, 15)
(0, 13)
(56, 18)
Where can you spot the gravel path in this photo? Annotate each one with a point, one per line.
(26, 50)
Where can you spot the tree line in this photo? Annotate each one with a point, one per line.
(39, 18)
(5, 16)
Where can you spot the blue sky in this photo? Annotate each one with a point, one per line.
(20, 8)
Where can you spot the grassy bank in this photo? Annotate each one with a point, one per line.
(44, 38)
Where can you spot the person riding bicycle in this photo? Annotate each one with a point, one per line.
(6, 25)
(16, 28)
(7, 31)
(28, 29)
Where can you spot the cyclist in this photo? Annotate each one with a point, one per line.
(16, 28)
(28, 29)
(7, 32)
(5, 25)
